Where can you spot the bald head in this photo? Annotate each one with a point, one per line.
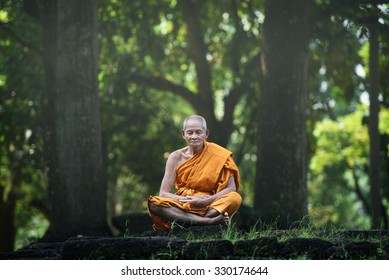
(195, 117)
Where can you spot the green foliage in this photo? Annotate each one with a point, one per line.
(342, 140)
(22, 177)
(338, 169)
(337, 131)
(32, 225)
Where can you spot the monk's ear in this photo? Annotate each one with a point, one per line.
(207, 133)
(183, 133)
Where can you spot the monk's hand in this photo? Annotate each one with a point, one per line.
(196, 201)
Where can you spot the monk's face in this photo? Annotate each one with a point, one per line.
(194, 133)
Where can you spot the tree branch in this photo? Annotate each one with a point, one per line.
(12, 35)
(161, 83)
(359, 193)
(231, 100)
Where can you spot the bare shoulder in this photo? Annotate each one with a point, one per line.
(174, 157)
(177, 157)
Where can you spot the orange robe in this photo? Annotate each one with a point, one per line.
(205, 173)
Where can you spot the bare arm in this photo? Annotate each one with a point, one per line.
(169, 177)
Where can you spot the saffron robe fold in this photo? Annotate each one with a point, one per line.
(205, 173)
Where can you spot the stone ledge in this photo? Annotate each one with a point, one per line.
(191, 243)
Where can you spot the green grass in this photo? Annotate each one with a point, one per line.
(231, 233)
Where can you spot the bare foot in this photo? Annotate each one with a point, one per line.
(223, 218)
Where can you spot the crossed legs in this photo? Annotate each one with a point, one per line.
(164, 210)
(172, 213)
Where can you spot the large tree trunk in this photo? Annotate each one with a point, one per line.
(280, 183)
(76, 187)
(374, 156)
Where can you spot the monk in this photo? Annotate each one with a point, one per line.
(206, 180)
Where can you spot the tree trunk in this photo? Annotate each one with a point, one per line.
(198, 51)
(280, 183)
(7, 224)
(76, 180)
(374, 168)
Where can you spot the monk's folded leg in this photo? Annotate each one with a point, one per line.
(229, 203)
(158, 222)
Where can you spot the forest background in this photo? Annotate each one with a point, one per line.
(93, 95)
